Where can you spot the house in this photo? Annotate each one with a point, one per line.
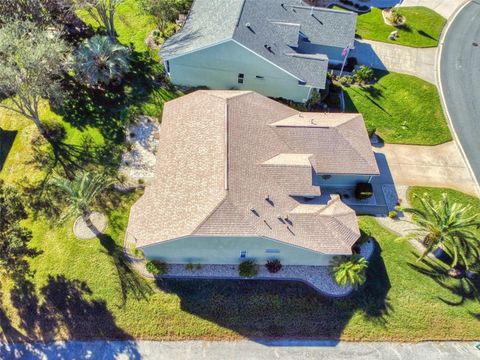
(239, 176)
(278, 48)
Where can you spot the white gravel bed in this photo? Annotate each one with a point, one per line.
(138, 164)
(319, 277)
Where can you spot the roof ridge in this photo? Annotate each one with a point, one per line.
(349, 141)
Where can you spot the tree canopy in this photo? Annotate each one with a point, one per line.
(32, 60)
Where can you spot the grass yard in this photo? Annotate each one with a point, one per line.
(131, 24)
(86, 289)
(422, 29)
(402, 108)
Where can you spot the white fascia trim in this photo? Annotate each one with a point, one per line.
(260, 56)
(195, 50)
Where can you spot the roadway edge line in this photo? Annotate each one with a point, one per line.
(450, 21)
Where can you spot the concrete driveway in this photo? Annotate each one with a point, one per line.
(326, 350)
(441, 165)
(446, 8)
(418, 62)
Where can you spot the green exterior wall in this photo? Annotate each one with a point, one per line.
(217, 67)
(227, 250)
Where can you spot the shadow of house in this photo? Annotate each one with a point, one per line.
(366, 55)
(6, 141)
(260, 309)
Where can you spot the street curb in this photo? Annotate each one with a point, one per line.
(442, 95)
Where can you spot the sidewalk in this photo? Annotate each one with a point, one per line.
(260, 349)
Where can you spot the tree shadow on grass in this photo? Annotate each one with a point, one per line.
(67, 310)
(6, 141)
(424, 34)
(463, 289)
(131, 283)
(366, 94)
(109, 109)
(260, 309)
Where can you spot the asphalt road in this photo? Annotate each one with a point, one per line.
(325, 350)
(460, 80)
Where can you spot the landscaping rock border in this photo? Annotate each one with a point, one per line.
(318, 277)
(83, 232)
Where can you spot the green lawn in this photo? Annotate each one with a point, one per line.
(86, 289)
(131, 24)
(422, 29)
(402, 108)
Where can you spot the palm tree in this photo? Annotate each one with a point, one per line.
(441, 224)
(81, 192)
(99, 60)
(350, 270)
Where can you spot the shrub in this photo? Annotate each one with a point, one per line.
(363, 191)
(136, 252)
(392, 214)
(54, 132)
(248, 269)
(273, 266)
(156, 267)
(349, 270)
(364, 75)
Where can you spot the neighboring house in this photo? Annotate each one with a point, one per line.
(238, 176)
(279, 48)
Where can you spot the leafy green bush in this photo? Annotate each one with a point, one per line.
(136, 252)
(273, 266)
(248, 269)
(364, 75)
(156, 267)
(350, 270)
(392, 214)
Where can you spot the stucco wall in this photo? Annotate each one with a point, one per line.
(217, 67)
(227, 250)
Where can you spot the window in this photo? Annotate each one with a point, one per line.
(259, 77)
(240, 78)
(272, 251)
(168, 66)
(243, 254)
(301, 82)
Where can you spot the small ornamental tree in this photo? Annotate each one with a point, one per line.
(98, 60)
(350, 270)
(32, 60)
(81, 192)
(102, 12)
(446, 225)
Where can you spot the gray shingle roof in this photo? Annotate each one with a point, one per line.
(209, 22)
(270, 28)
(224, 153)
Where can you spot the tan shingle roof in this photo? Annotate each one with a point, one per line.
(225, 167)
